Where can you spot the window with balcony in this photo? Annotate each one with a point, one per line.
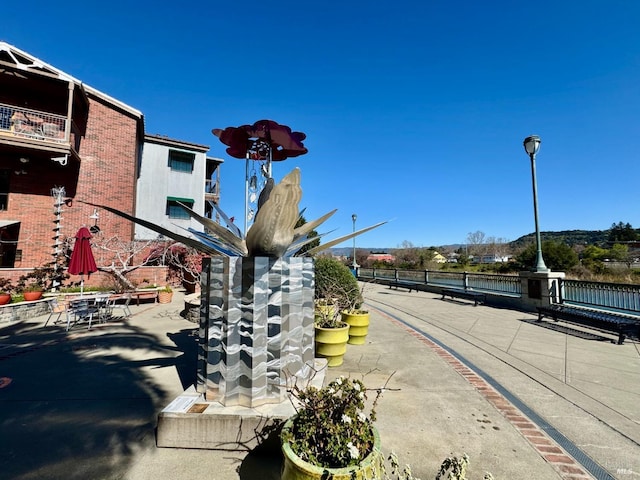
(4, 189)
(174, 210)
(181, 161)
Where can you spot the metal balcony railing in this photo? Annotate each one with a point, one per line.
(211, 187)
(26, 123)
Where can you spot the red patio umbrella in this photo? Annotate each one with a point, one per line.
(82, 262)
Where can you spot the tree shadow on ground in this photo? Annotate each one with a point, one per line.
(79, 405)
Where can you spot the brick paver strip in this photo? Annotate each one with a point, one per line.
(565, 465)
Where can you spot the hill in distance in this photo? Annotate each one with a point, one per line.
(568, 237)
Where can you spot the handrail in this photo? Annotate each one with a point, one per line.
(35, 124)
(617, 296)
(493, 283)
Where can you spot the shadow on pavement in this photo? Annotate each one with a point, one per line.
(79, 405)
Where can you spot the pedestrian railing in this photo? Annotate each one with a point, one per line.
(599, 295)
(498, 284)
(610, 296)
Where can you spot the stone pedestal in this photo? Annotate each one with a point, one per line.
(256, 328)
(540, 288)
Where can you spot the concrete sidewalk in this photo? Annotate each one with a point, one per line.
(85, 404)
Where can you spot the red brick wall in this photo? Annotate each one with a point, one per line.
(140, 276)
(106, 175)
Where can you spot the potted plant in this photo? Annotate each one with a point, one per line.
(331, 334)
(331, 435)
(32, 291)
(165, 295)
(5, 291)
(336, 291)
(358, 320)
(39, 279)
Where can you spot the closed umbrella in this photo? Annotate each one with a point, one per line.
(82, 262)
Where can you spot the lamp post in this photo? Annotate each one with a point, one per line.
(354, 217)
(531, 146)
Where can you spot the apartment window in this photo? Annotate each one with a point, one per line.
(181, 161)
(176, 211)
(4, 189)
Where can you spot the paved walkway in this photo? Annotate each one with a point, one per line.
(522, 400)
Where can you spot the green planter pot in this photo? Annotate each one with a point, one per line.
(295, 468)
(331, 343)
(358, 326)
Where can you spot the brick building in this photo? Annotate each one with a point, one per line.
(58, 133)
(55, 131)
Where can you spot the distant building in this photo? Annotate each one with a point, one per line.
(381, 257)
(173, 172)
(439, 258)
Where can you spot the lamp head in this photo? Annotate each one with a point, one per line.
(354, 217)
(532, 144)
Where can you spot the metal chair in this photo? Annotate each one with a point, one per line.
(115, 302)
(79, 310)
(56, 307)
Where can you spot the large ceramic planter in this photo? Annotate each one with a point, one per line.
(331, 343)
(358, 326)
(30, 296)
(5, 298)
(295, 468)
(165, 297)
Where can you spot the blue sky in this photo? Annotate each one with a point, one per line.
(414, 111)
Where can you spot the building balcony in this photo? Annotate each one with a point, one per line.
(212, 190)
(36, 129)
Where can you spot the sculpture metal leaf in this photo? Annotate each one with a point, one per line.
(272, 234)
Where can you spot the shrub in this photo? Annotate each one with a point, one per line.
(334, 280)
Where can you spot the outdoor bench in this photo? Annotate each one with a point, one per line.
(149, 295)
(477, 297)
(623, 325)
(404, 284)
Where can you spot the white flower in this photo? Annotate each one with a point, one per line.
(361, 395)
(339, 381)
(356, 386)
(362, 417)
(353, 451)
(331, 391)
(346, 418)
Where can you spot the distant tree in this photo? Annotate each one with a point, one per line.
(301, 221)
(620, 253)
(476, 243)
(622, 232)
(593, 258)
(557, 256)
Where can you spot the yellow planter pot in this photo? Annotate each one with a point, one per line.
(331, 343)
(358, 326)
(297, 469)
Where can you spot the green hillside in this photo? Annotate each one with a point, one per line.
(568, 237)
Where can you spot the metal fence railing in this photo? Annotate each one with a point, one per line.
(599, 295)
(498, 284)
(614, 296)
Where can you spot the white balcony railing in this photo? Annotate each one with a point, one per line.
(26, 123)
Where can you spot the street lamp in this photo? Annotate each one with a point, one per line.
(354, 217)
(531, 146)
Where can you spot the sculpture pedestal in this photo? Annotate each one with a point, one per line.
(256, 328)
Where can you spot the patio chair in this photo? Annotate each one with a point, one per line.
(116, 302)
(56, 307)
(79, 310)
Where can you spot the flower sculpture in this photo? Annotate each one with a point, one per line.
(269, 135)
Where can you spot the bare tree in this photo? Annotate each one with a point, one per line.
(476, 243)
(119, 257)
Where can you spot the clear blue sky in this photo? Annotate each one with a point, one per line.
(415, 111)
